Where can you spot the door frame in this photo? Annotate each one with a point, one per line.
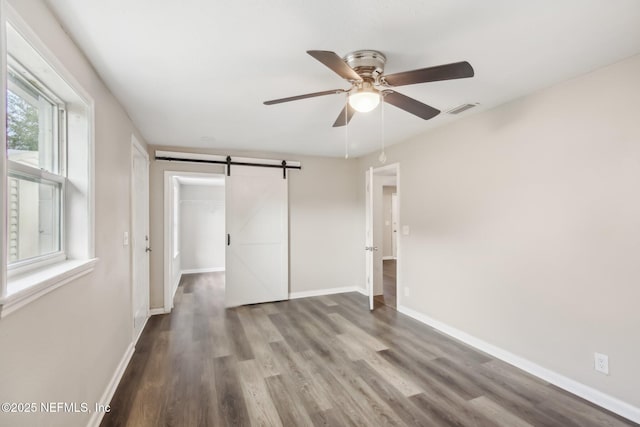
(170, 288)
(394, 219)
(137, 148)
(399, 282)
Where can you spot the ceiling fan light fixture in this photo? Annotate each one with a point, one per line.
(364, 101)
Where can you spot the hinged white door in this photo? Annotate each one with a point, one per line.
(140, 244)
(369, 235)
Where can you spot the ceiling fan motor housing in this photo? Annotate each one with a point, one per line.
(369, 64)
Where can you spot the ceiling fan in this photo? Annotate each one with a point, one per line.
(364, 70)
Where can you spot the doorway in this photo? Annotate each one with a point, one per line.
(194, 228)
(383, 222)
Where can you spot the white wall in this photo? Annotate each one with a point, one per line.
(65, 346)
(325, 221)
(202, 227)
(525, 226)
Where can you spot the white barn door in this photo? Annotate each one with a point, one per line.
(257, 222)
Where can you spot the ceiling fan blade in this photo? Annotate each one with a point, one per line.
(308, 95)
(410, 105)
(336, 64)
(457, 70)
(342, 120)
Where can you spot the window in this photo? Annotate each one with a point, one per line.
(46, 169)
(36, 180)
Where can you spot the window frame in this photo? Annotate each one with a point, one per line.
(58, 149)
(27, 78)
(23, 266)
(78, 168)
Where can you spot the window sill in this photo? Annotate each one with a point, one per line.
(23, 289)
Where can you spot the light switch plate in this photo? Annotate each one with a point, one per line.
(125, 240)
(405, 230)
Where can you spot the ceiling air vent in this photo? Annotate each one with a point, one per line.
(460, 108)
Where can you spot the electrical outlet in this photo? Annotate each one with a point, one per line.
(601, 363)
(407, 292)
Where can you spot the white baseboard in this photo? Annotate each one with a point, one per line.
(202, 270)
(97, 416)
(169, 307)
(156, 311)
(363, 291)
(597, 397)
(319, 292)
(135, 341)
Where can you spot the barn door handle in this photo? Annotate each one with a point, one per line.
(228, 239)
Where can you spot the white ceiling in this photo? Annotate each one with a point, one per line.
(194, 73)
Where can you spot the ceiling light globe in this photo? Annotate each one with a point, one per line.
(364, 101)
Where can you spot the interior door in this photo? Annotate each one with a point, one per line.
(257, 222)
(140, 237)
(369, 235)
(394, 225)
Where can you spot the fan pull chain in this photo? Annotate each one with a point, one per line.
(346, 129)
(383, 156)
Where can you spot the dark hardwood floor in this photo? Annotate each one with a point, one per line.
(322, 361)
(388, 296)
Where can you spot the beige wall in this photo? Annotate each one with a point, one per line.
(525, 226)
(65, 346)
(324, 220)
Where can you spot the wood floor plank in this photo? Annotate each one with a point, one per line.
(287, 403)
(288, 331)
(259, 343)
(497, 413)
(295, 369)
(507, 394)
(581, 411)
(358, 334)
(267, 328)
(231, 404)
(352, 394)
(208, 408)
(404, 408)
(392, 375)
(235, 332)
(318, 313)
(262, 411)
(323, 361)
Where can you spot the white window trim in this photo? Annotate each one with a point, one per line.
(34, 285)
(4, 246)
(30, 286)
